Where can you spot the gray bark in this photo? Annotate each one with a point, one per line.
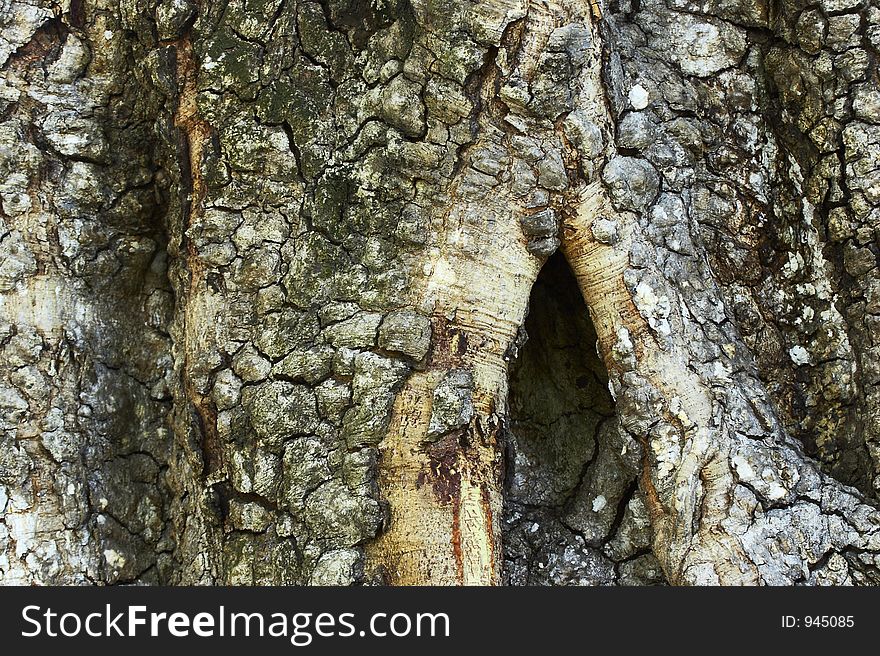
(271, 309)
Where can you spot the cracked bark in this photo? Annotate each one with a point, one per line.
(502, 292)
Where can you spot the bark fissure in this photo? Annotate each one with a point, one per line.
(571, 512)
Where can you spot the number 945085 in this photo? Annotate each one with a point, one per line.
(818, 621)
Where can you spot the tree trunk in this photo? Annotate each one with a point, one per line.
(405, 292)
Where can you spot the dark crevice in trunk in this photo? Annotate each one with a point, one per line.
(569, 488)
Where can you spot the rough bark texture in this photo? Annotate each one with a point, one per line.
(405, 292)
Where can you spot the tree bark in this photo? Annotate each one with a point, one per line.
(405, 292)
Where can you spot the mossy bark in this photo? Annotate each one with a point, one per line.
(266, 278)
